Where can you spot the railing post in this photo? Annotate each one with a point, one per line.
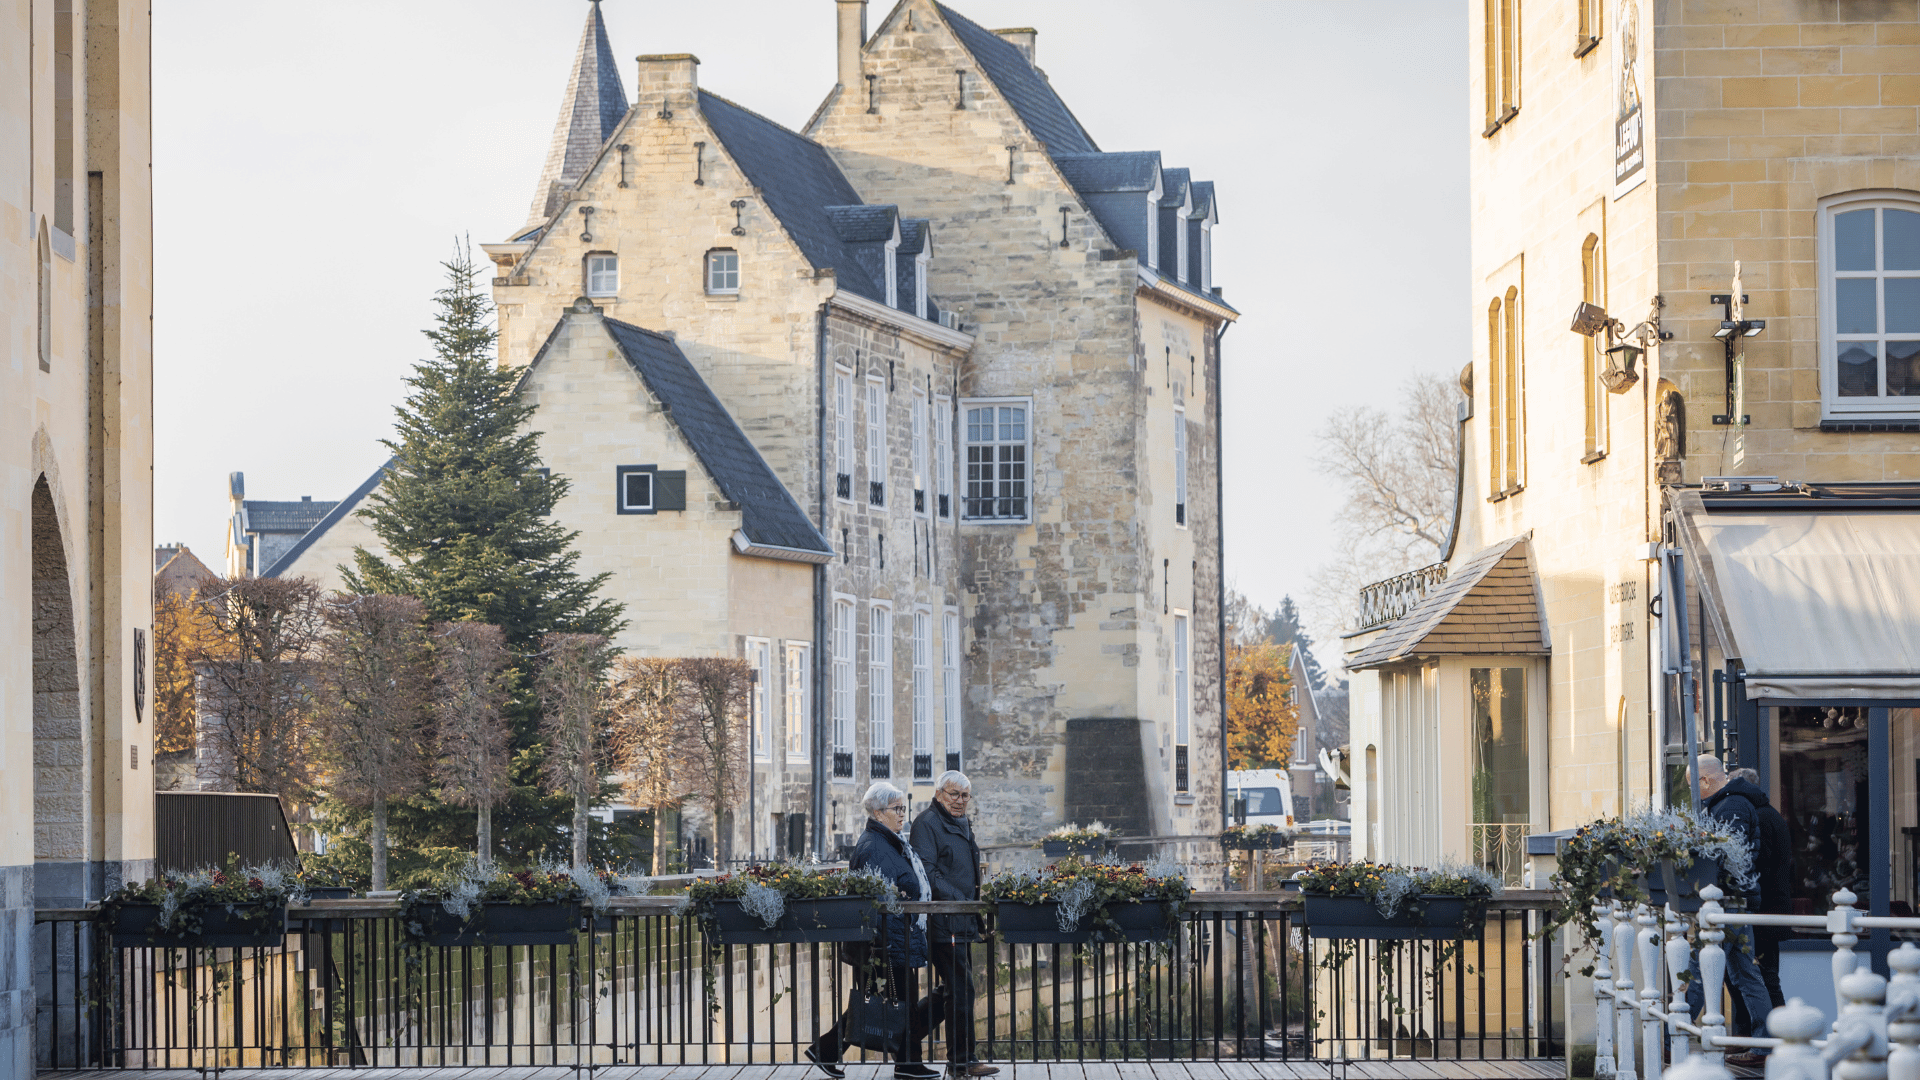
(1678, 953)
(1857, 1049)
(1623, 1067)
(1713, 973)
(1652, 1048)
(1796, 1024)
(1903, 1013)
(1698, 1068)
(1840, 925)
(1603, 992)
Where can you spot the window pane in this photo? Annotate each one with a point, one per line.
(1853, 240)
(1855, 306)
(1859, 369)
(639, 490)
(1901, 242)
(1903, 305)
(1903, 368)
(1500, 767)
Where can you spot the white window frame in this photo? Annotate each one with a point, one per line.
(760, 659)
(1153, 220)
(1833, 406)
(943, 454)
(919, 454)
(1027, 442)
(1183, 688)
(923, 689)
(1180, 219)
(603, 280)
(843, 431)
(920, 262)
(877, 464)
(710, 274)
(893, 266)
(799, 701)
(880, 680)
(1181, 519)
(843, 645)
(950, 683)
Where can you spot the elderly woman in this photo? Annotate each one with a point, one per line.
(883, 848)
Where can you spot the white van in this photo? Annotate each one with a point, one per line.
(1269, 795)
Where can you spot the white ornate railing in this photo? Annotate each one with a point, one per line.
(1875, 1037)
(1501, 848)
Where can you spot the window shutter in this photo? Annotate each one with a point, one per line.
(670, 490)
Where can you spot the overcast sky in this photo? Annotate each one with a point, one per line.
(314, 162)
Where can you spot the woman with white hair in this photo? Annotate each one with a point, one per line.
(883, 847)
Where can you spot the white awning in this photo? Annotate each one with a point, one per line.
(1817, 606)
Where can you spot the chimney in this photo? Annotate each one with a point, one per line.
(667, 80)
(852, 35)
(1021, 37)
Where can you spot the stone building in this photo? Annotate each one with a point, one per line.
(261, 532)
(944, 356)
(1663, 541)
(76, 440)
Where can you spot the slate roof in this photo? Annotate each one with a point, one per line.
(1202, 198)
(801, 186)
(1096, 172)
(335, 512)
(769, 515)
(265, 516)
(594, 105)
(1175, 182)
(1488, 607)
(1022, 85)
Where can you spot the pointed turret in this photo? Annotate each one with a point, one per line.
(594, 104)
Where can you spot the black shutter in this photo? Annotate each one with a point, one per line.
(670, 490)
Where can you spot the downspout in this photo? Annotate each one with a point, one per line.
(1220, 560)
(1463, 411)
(819, 735)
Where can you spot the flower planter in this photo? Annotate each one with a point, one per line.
(1682, 887)
(832, 918)
(222, 926)
(549, 923)
(1270, 842)
(1443, 918)
(1141, 920)
(1060, 849)
(1037, 924)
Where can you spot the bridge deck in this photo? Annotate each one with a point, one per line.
(1376, 1069)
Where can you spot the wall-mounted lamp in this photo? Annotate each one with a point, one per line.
(1734, 326)
(1623, 359)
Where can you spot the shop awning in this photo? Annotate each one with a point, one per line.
(1818, 605)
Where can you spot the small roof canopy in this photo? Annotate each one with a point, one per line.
(1817, 605)
(1490, 606)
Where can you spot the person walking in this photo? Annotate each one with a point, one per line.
(943, 837)
(1732, 802)
(881, 847)
(1774, 860)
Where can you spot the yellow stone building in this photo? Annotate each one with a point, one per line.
(76, 505)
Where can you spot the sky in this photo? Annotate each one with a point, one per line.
(314, 164)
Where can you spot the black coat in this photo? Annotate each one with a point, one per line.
(880, 848)
(1772, 841)
(952, 859)
(1738, 805)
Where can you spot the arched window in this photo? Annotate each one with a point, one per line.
(1506, 435)
(723, 271)
(45, 289)
(1870, 306)
(1593, 290)
(1496, 473)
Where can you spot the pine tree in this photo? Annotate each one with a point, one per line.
(464, 512)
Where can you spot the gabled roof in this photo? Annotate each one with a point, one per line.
(335, 513)
(768, 513)
(593, 106)
(1028, 91)
(265, 516)
(1488, 607)
(1176, 183)
(1092, 173)
(1203, 199)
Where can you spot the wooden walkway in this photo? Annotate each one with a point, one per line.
(1377, 1069)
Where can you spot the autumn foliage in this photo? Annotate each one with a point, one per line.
(1262, 718)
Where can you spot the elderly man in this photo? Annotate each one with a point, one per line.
(1735, 803)
(944, 839)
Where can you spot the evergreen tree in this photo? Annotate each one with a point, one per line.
(465, 515)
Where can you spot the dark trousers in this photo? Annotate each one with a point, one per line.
(902, 981)
(952, 998)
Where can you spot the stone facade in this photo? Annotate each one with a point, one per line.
(76, 538)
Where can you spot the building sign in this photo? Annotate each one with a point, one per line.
(1629, 125)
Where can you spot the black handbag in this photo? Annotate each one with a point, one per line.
(875, 1020)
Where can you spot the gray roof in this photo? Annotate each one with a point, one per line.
(768, 513)
(1028, 91)
(335, 512)
(284, 517)
(1488, 607)
(863, 224)
(594, 105)
(1175, 182)
(1203, 198)
(1096, 172)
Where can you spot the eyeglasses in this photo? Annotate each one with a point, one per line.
(963, 796)
(896, 809)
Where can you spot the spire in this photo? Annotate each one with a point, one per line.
(594, 104)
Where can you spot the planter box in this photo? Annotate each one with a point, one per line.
(245, 926)
(1445, 917)
(833, 918)
(1144, 920)
(1037, 924)
(1060, 849)
(550, 923)
(1682, 887)
(1270, 842)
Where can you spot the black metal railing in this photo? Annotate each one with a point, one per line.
(843, 485)
(953, 760)
(877, 492)
(1240, 978)
(1384, 601)
(842, 763)
(923, 766)
(879, 766)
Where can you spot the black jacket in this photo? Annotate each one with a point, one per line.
(1772, 842)
(952, 858)
(880, 848)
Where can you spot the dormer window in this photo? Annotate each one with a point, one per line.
(1180, 217)
(893, 267)
(603, 275)
(723, 272)
(1153, 225)
(920, 276)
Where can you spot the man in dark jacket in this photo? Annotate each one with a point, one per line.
(1735, 803)
(944, 839)
(1775, 858)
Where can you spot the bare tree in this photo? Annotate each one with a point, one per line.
(718, 690)
(253, 663)
(376, 679)
(649, 742)
(1399, 475)
(571, 685)
(472, 733)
